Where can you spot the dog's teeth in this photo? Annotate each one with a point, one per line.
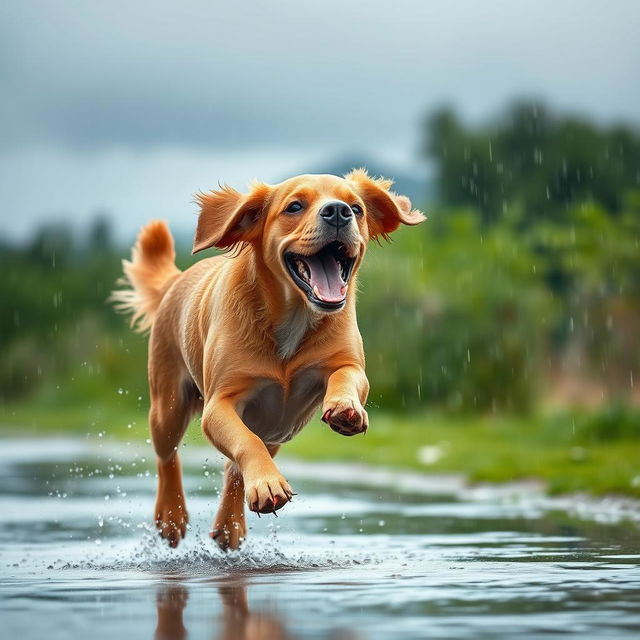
(343, 290)
(316, 293)
(302, 270)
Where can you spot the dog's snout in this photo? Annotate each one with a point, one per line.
(336, 213)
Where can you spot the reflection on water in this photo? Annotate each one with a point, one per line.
(359, 555)
(237, 621)
(171, 601)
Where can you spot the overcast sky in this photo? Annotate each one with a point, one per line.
(130, 107)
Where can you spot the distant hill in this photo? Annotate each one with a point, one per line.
(417, 186)
(420, 189)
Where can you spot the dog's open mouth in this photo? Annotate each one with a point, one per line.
(323, 276)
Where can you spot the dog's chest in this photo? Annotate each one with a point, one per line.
(276, 413)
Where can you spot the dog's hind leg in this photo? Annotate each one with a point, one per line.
(229, 526)
(171, 407)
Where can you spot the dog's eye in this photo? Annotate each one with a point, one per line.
(294, 207)
(357, 209)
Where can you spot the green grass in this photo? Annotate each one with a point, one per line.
(496, 449)
(597, 453)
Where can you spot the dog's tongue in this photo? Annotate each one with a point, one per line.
(325, 278)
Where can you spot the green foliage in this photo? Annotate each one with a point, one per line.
(596, 257)
(454, 315)
(532, 160)
(608, 424)
(54, 318)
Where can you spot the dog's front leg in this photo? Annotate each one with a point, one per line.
(265, 488)
(343, 405)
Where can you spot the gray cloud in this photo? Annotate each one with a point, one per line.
(131, 106)
(332, 73)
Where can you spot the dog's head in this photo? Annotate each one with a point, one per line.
(311, 231)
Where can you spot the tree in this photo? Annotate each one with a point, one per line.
(532, 161)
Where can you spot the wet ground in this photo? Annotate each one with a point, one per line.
(359, 554)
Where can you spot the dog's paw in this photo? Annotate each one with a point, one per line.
(171, 519)
(346, 417)
(267, 493)
(229, 530)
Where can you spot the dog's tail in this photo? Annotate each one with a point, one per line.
(147, 276)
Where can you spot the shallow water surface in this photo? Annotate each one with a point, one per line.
(359, 554)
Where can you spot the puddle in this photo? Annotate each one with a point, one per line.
(359, 554)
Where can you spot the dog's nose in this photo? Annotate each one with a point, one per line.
(336, 213)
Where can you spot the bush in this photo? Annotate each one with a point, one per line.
(454, 315)
(614, 422)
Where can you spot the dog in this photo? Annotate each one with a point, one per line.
(256, 339)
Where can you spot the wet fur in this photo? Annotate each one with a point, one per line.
(234, 339)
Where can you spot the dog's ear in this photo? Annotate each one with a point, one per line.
(228, 217)
(385, 209)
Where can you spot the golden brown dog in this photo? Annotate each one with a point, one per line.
(257, 339)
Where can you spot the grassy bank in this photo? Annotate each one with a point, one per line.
(597, 453)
